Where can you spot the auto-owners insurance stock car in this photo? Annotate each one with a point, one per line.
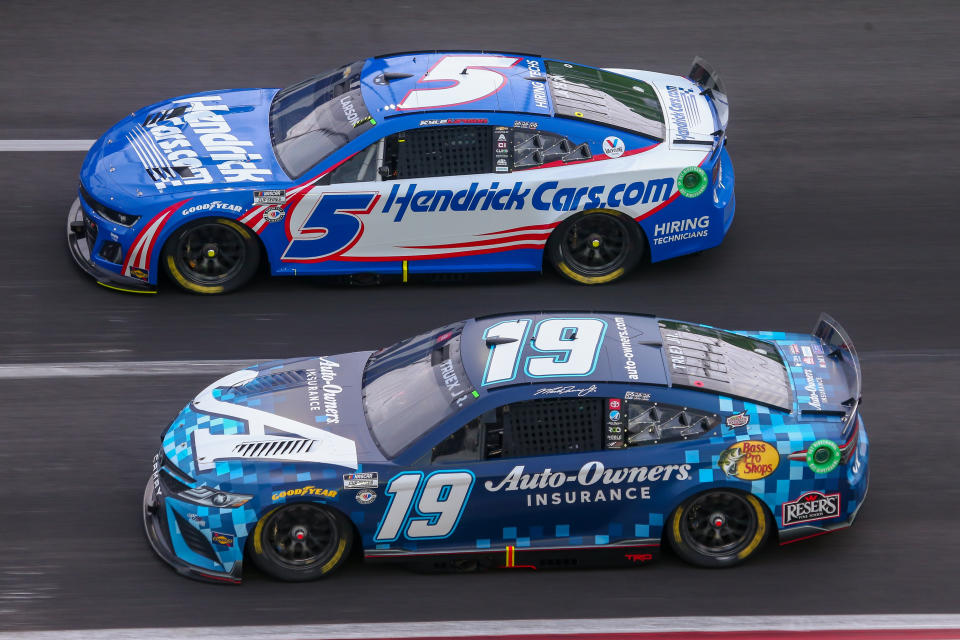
(531, 440)
(431, 162)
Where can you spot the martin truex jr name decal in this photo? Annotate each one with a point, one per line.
(545, 197)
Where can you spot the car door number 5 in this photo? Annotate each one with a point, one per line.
(424, 508)
(329, 228)
(473, 79)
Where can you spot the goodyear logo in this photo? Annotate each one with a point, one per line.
(304, 491)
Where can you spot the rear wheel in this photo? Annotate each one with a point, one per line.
(595, 247)
(718, 528)
(210, 256)
(302, 541)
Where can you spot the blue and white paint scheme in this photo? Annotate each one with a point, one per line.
(211, 155)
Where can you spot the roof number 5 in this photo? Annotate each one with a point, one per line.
(472, 76)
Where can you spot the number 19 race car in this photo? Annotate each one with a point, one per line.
(427, 162)
(529, 440)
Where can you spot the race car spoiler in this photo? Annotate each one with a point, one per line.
(839, 347)
(706, 77)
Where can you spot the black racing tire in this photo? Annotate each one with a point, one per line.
(301, 541)
(718, 528)
(596, 247)
(211, 256)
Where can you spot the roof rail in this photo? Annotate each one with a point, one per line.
(410, 53)
(525, 312)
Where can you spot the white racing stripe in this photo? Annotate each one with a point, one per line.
(493, 629)
(100, 369)
(45, 145)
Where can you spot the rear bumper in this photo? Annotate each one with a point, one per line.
(855, 481)
(81, 248)
(157, 528)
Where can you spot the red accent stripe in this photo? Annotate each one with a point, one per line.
(837, 634)
(658, 207)
(126, 263)
(601, 156)
(480, 243)
(529, 228)
(812, 535)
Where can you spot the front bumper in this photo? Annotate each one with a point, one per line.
(157, 528)
(81, 250)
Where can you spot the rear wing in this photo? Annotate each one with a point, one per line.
(706, 77)
(839, 347)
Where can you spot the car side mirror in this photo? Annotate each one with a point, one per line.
(384, 172)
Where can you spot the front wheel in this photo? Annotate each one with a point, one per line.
(595, 247)
(718, 528)
(210, 256)
(300, 542)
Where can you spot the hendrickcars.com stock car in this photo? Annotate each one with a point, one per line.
(427, 162)
(523, 440)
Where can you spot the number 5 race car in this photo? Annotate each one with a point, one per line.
(530, 440)
(424, 162)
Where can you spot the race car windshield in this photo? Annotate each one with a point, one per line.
(312, 119)
(413, 385)
(606, 98)
(708, 359)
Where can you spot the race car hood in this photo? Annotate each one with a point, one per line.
(688, 113)
(191, 143)
(303, 413)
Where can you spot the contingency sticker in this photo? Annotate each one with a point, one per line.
(366, 480)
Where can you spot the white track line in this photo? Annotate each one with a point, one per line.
(45, 145)
(493, 629)
(100, 369)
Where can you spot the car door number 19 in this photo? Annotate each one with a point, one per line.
(424, 508)
(570, 346)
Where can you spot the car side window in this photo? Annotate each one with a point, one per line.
(462, 445)
(535, 148)
(653, 423)
(361, 167)
(530, 428)
(438, 151)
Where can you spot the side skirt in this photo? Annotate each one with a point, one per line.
(625, 553)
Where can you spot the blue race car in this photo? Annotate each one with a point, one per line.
(528, 440)
(432, 162)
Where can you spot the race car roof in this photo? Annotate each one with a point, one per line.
(455, 81)
(628, 349)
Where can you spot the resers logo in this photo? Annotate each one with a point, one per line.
(749, 460)
(811, 506)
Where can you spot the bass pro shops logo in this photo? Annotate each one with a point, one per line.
(749, 460)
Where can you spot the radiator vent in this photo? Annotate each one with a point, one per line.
(273, 448)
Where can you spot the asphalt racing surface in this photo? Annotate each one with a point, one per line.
(844, 136)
